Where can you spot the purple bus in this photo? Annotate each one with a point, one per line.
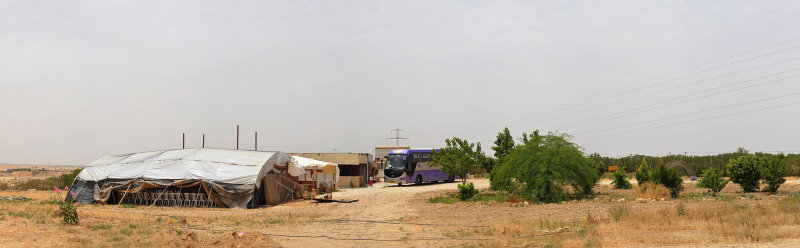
(411, 165)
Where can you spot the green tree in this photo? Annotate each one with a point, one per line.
(668, 177)
(773, 171)
(712, 180)
(745, 171)
(458, 158)
(643, 172)
(540, 169)
(503, 144)
(598, 163)
(620, 180)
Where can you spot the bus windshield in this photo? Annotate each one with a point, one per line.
(395, 165)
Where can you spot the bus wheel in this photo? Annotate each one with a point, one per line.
(419, 180)
(399, 184)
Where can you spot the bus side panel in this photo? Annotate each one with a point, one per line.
(429, 176)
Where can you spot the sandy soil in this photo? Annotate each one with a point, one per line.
(384, 215)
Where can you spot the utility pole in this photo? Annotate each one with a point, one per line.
(256, 146)
(237, 137)
(183, 141)
(397, 137)
(204, 140)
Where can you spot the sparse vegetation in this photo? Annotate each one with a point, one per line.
(61, 181)
(649, 190)
(618, 210)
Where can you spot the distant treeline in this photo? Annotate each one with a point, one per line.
(697, 163)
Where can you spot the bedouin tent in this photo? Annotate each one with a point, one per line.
(230, 178)
(299, 165)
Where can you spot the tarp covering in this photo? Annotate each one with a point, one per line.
(299, 165)
(229, 177)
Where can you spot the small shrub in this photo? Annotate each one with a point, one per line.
(620, 180)
(643, 172)
(649, 190)
(466, 191)
(617, 211)
(681, 209)
(745, 172)
(4, 186)
(772, 173)
(712, 180)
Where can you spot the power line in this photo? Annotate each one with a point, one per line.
(646, 108)
(531, 114)
(692, 113)
(661, 92)
(695, 120)
(656, 93)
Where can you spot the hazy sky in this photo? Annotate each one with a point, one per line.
(84, 79)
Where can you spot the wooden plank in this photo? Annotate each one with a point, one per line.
(266, 192)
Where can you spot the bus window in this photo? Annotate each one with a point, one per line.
(425, 157)
(417, 157)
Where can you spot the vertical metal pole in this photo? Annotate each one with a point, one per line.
(204, 140)
(237, 137)
(183, 140)
(256, 141)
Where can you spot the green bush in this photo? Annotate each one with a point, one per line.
(643, 172)
(539, 170)
(745, 171)
(466, 191)
(620, 180)
(772, 172)
(712, 180)
(668, 177)
(50, 182)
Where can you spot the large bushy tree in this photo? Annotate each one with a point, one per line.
(458, 158)
(773, 171)
(746, 172)
(543, 167)
(503, 144)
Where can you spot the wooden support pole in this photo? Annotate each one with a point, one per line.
(158, 197)
(123, 195)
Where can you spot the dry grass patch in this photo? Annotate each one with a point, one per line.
(650, 190)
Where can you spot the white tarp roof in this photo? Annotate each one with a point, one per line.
(298, 165)
(217, 165)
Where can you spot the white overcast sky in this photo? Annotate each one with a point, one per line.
(84, 79)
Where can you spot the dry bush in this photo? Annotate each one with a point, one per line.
(619, 210)
(650, 190)
(718, 222)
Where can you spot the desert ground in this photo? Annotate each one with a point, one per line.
(389, 215)
(12, 173)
